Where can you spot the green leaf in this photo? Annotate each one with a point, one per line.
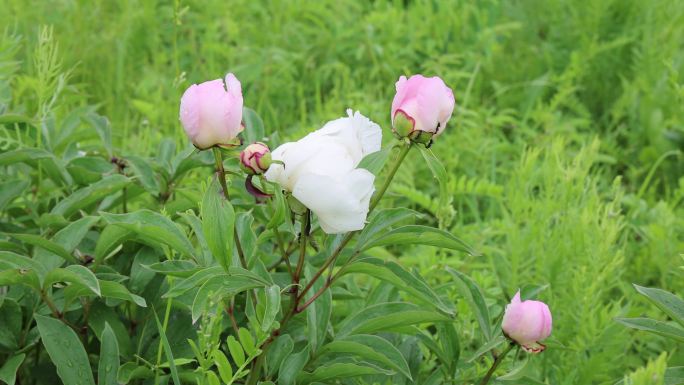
(403, 280)
(489, 345)
(175, 268)
(473, 295)
(388, 316)
(108, 366)
(383, 220)
(224, 368)
(11, 321)
(111, 289)
(653, 326)
(674, 376)
(236, 351)
(25, 277)
(247, 342)
(103, 128)
(110, 238)
(130, 371)
(337, 370)
(375, 161)
(218, 287)
(318, 313)
(65, 351)
(10, 190)
(212, 378)
(53, 166)
(218, 223)
(195, 280)
(672, 305)
(153, 227)
(9, 259)
(281, 348)
(254, 126)
(140, 276)
(272, 294)
(68, 238)
(439, 172)
(420, 235)
(372, 348)
(144, 172)
(448, 336)
(292, 365)
(74, 274)
(39, 241)
(88, 195)
(280, 210)
(167, 351)
(8, 372)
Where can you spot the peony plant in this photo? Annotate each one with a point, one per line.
(244, 259)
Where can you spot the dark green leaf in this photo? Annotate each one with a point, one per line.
(653, 326)
(108, 367)
(111, 289)
(382, 220)
(371, 348)
(292, 365)
(403, 280)
(473, 295)
(175, 268)
(489, 345)
(110, 238)
(152, 227)
(39, 241)
(11, 321)
(74, 274)
(68, 238)
(8, 372)
(420, 235)
(272, 294)
(144, 173)
(281, 348)
(375, 161)
(167, 350)
(88, 195)
(337, 370)
(672, 305)
(389, 316)
(131, 371)
(218, 221)
(254, 126)
(65, 351)
(10, 190)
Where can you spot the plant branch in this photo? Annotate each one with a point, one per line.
(496, 363)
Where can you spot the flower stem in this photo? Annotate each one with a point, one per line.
(220, 172)
(496, 363)
(402, 154)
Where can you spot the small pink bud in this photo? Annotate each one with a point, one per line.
(211, 112)
(255, 158)
(424, 103)
(527, 323)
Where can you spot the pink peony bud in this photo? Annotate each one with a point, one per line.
(527, 323)
(255, 158)
(421, 104)
(211, 112)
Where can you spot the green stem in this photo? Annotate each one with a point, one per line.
(220, 172)
(496, 363)
(167, 314)
(402, 154)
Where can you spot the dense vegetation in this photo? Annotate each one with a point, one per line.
(564, 155)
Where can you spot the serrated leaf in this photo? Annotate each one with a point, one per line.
(65, 351)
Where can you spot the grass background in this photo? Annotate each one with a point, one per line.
(564, 150)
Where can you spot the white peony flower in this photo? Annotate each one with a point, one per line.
(321, 171)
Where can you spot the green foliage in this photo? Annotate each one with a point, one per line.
(560, 174)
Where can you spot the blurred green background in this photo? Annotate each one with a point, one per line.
(564, 152)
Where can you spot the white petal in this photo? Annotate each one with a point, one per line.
(340, 203)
